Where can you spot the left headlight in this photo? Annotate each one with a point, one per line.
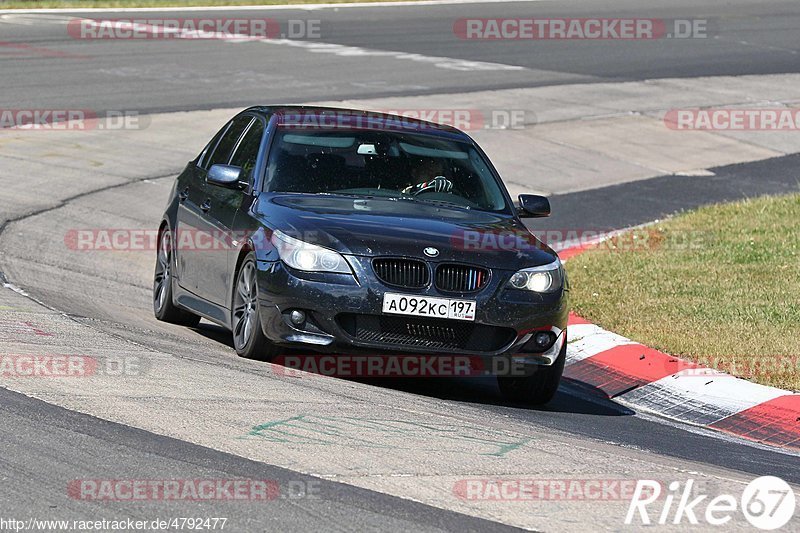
(545, 278)
(308, 257)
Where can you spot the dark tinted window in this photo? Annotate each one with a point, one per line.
(247, 152)
(203, 160)
(382, 164)
(223, 151)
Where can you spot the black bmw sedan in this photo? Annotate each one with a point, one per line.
(343, 231)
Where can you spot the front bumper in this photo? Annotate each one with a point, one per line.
(344, 315)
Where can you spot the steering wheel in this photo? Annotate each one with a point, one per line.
(437, 184)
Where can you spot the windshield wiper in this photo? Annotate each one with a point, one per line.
(443, 203)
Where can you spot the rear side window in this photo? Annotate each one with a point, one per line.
(247, 151)
(202, 161)
(222, 153)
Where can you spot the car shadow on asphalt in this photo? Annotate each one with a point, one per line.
(214, 332)
(572, 397)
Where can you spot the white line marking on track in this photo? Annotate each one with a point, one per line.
(25, 19)
(304, 7)
(341, 50)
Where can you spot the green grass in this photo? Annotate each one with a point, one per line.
(47, 4)
(719, 285)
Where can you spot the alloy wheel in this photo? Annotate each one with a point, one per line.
(245, 314)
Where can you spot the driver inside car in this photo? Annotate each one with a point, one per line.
(428, 176)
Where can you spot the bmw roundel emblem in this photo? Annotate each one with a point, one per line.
(430, 251)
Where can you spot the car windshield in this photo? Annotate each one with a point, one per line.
(409, 166)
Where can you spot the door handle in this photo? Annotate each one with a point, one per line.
(183, 195)
(206, 205)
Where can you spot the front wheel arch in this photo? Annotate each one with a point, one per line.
(246, 249)
(256, 345)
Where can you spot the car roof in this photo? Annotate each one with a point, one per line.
(345, 118)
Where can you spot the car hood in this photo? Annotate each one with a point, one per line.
(385, 227)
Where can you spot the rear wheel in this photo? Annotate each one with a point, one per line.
(163, 307)
(248, 337)
(538, 388)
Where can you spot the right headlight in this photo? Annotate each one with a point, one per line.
(308, 257)
(545, 278)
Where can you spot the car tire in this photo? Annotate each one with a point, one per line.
(538, 388)
(248, 337)
(164, 308)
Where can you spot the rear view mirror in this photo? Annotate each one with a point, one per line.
(533, 206)
(367, 149)
(225, 176)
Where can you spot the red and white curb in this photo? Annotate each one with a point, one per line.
(652, 381)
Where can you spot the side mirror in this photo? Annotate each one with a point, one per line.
(533, 206)
(225, 176)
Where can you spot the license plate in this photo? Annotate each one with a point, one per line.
(403, 304)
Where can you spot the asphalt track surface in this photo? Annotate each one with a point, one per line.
(743, 37)
(46, 446)
(70, 443)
